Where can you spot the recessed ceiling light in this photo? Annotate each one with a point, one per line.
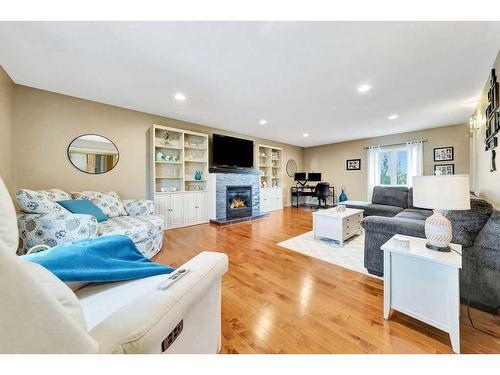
(393, 117)
(263, 122)
(305, 135)
(180, 96)
(364, 88)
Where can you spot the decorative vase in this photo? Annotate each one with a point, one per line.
(160, 156)
(197, 175)
(342, 196)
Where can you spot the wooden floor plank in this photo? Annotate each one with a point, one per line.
(275, 300)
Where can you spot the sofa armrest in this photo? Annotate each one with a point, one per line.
(136, 207)
(53, 229)
(143, 324)
(394, 225)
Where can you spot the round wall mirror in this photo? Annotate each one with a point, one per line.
(291, 168)
(92, 153)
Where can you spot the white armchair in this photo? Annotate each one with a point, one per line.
(40, 314)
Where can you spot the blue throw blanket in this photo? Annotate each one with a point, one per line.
(102, 259)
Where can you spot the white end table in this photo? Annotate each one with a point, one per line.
(337, 225)
(424, 284)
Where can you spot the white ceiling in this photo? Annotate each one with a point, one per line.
(299, 76)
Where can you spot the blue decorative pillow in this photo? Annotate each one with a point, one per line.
(80, 206)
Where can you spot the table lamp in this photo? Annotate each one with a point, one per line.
(439, 193)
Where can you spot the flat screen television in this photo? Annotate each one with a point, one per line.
(231, 152)
(314, 176)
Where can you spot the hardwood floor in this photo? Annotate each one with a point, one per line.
(275, 300)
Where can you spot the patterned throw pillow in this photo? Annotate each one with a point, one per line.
(41, 201)
(108, 201)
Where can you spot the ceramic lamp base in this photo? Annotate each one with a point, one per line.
(446, 249)
(438, 232)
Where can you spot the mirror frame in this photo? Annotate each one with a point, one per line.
(286, 167)
(99, 135)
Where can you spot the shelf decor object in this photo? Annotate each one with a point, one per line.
(440, 193)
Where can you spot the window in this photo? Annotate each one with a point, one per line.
(393, 167)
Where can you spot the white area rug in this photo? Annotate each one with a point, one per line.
(350, 256)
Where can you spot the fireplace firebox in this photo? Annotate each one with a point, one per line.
(239, 202)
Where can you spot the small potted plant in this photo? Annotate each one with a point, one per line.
(167, 138)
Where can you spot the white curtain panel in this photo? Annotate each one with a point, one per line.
(372, 167)
(415, 160)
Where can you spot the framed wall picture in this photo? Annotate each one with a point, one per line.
(353, 164)
(445, 169)
(443, 153)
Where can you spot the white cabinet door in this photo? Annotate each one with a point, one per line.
(277, 199)
(176, 209)
(190, 208)
(273, 199)
(201, 207)
(264, 200)
(162, 206)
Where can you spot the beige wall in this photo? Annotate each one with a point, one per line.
(47, 122)
(7, 152)
(330, 159)
(485, 183)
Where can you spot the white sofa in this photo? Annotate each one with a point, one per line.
(40, 314)
(44, 222)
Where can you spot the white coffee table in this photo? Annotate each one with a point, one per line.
(424, 284)
(337, 225)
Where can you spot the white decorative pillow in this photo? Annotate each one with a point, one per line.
(109, 202)
(41, 201)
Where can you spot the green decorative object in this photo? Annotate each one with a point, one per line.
(160, 156)
(197, 175)
(167, 138)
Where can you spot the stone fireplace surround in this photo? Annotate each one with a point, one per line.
(219, 179)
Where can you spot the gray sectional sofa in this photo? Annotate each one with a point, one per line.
(477, 230)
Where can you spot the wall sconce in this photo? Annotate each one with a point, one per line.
(476, 121)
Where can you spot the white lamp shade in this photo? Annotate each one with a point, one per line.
(442, 192)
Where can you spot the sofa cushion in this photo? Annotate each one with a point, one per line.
(489, 236)
(467, 224)
(391, 196)
(415, 213)
(83, 206)
(41, 201)
(138, 228)
(58, 289)
(392, 226)
(109, 202)
(381, 210)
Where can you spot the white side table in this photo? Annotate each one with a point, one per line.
(424, 284)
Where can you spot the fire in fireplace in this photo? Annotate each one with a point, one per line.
(239, 202)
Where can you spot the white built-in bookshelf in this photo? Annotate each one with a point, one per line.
(176, 158)
(269, 161)
(179, 195)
